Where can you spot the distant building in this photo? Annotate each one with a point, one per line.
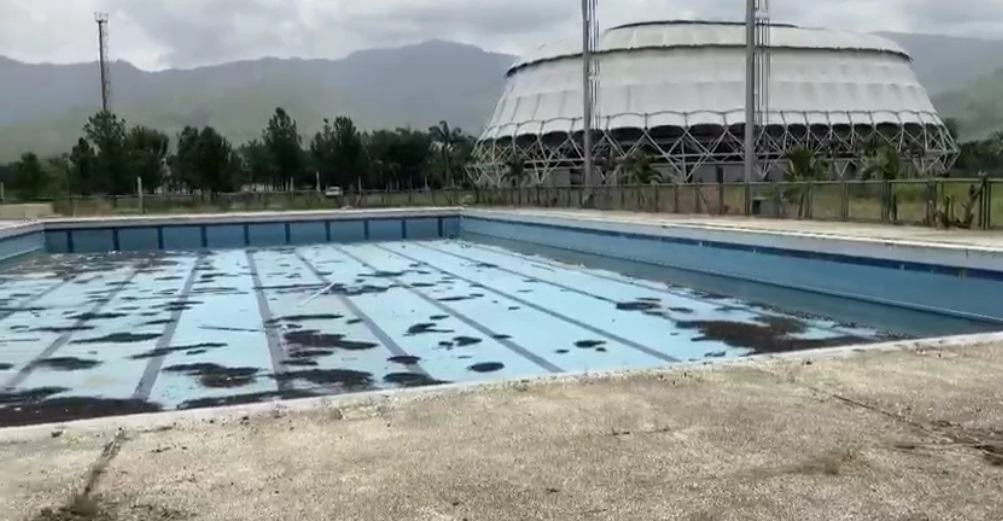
(674, 92)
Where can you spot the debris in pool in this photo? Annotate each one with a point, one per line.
(600, 349)
(486, 367)
(716, 354)
(501, 337)
(301, 362)
(165, 279)
(354, 321)
(67, 363)
(460, 298)
(346, 378)
(244, 399)
(438, 317)
(685, 311)
(589, 344)
(485, 265)
(767, 334)
(62, 329)
(404, 360)
(514, 308)
(637, 305)
(422, 284)
(160, 322)
(309, 353)
(464, 341)
(305, 318)
(35, 406)
(411, 380)
(215, 376)
(425, 328)
(447, 345)
(4, 366)
(164, 351)
(562, 351)
(314, 338)
(195, 352)
(119, 338)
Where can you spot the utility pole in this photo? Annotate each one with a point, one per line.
(750, 91)
(590, 74)
(102, 21)
(757, 80)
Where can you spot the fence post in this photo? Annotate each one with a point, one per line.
(985, 206)
(747, 198)
(139, 193)
(844, 200)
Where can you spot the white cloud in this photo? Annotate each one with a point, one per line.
(161, 33)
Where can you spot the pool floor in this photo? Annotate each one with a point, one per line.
(84, 336)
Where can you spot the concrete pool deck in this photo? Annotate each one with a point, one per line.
(908, 433)
(835, 229)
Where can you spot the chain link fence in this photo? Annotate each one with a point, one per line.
(944, 203)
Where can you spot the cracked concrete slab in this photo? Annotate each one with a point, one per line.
(903, 435)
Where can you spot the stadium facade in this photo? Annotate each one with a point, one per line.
(674, 93)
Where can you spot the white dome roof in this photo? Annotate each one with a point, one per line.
(683, 74)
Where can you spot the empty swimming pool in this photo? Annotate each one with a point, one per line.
(85, 335)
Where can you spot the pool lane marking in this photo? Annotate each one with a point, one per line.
(378, 332)
(64, 338)
(512, 346)
(611, 336)
(153, 365)
(665, 291)
(275, 350)
(4, 315)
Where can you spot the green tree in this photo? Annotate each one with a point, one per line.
(640, 170)
(147, 153)
(339, 153)
(515, 173)
(448, 143)
(255, 163)
(30, 180)
(83, 168)
(206, 161)
(284, 145)
(107, 135)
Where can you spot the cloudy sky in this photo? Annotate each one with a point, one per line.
(155, 34)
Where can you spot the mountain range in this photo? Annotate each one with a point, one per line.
(43, 106)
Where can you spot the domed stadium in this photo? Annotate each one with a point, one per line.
(674, 92)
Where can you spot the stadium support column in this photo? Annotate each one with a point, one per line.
(587, 15)
(750, 90)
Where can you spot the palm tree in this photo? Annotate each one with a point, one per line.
(516, 171)
(803, 165)
(446, 139)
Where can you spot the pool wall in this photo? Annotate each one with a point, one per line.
(947, 279)
(192, 232)
(21, 239)
(951, 280)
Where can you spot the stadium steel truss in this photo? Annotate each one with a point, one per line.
(672, 93)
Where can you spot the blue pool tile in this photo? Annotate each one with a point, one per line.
(182, 237)
(266, 234)
(138, 239)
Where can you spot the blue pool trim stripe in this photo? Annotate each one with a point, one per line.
(512, 346)
(606, 334)
(116, 244)
(795, 287)
(154, 364)
(440, 227)
(770, 250)
(378, 332)
(64, 338)
(275, 351)
(246, 229)
(69, 242)
(160, 237)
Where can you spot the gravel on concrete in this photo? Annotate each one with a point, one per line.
(902, 434)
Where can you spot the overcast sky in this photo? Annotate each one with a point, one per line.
(155, 34)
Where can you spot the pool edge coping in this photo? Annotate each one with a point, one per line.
(399, 396)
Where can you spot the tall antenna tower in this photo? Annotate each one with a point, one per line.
(590, 82)
(757, 79)
(102, 21)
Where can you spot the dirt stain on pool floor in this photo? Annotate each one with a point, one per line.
(66, 363)
(766, 334)
(39, 405)
(312, 338)
(215, 376)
